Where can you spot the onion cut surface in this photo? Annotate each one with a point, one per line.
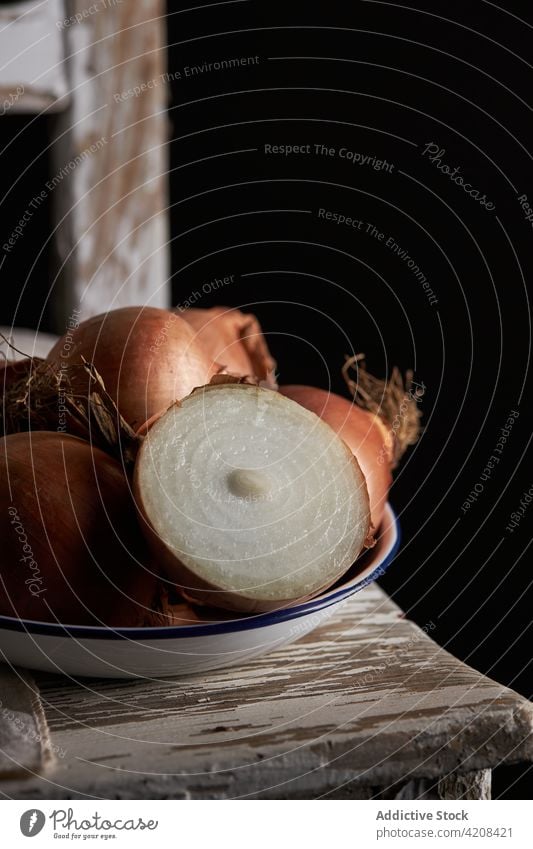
(250, 500)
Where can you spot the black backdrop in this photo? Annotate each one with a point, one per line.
(381, 80)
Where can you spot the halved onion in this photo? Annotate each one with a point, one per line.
(250, 501)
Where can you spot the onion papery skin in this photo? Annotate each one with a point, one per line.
(235, 340)
(147, 357)
(66, 507)
(249, 557)
(365, 434)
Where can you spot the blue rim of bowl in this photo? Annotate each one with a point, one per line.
(260, 620)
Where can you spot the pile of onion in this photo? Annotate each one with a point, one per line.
(250, 499)
(144, 358)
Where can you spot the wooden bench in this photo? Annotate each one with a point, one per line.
(367, 706)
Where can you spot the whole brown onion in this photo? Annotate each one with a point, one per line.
(70, 539)
(365, 434)
(147, 358)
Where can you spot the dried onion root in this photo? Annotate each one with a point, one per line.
(394, 402)
(250, 501)
(43, 396)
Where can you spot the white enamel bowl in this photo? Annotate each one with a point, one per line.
(186, 649)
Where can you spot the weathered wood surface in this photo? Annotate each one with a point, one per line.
(470, 785)
(24, 740)
(32, 73)
(110, 162)
(467, 785)
(366, 701)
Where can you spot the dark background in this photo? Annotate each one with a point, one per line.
(384, 80)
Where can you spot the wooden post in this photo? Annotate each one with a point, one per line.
(109, 180)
